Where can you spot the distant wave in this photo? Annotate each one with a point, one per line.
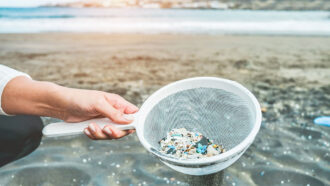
(34, 20)
(36, 16)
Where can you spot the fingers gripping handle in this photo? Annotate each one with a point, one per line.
(67, 129)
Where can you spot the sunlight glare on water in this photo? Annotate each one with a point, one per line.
(32, 20)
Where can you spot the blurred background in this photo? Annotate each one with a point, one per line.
(278, 49)
(290, 17)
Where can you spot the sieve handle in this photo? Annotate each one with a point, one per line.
(68, 129)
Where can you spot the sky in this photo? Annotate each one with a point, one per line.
(28, 3)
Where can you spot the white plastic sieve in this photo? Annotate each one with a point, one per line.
(220, 109)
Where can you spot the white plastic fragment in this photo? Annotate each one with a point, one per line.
(185, 144)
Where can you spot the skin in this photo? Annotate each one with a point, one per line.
(25, 96)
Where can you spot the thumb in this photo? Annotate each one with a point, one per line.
(115, 115)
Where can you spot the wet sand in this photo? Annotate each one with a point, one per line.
(290, 76)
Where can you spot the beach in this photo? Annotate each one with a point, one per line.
(289, 75)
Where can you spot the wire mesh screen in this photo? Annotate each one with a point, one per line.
(219, 115)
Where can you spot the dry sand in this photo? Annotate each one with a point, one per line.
(290, 76)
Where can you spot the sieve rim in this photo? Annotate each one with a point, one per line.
(244, 144)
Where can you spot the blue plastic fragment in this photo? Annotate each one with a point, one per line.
(201, 148)
(196, 134)
(323, 121)
(171, 146)
(176, 135)
(204, 148)
(262, 173)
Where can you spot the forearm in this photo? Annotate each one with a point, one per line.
(25, 96)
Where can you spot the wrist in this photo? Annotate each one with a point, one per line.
(54, 101)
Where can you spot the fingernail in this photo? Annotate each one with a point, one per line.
(91, 126)
(108, 130)
(128, 117)
(87, 132)
(131, 131)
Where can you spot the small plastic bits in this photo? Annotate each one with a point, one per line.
(184, 144)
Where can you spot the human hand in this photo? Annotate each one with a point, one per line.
(68, 104)
(87, 104)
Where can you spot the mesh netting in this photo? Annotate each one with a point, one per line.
(219, 115)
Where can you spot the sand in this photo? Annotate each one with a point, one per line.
(290, 76)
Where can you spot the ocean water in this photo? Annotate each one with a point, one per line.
(35, 20)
